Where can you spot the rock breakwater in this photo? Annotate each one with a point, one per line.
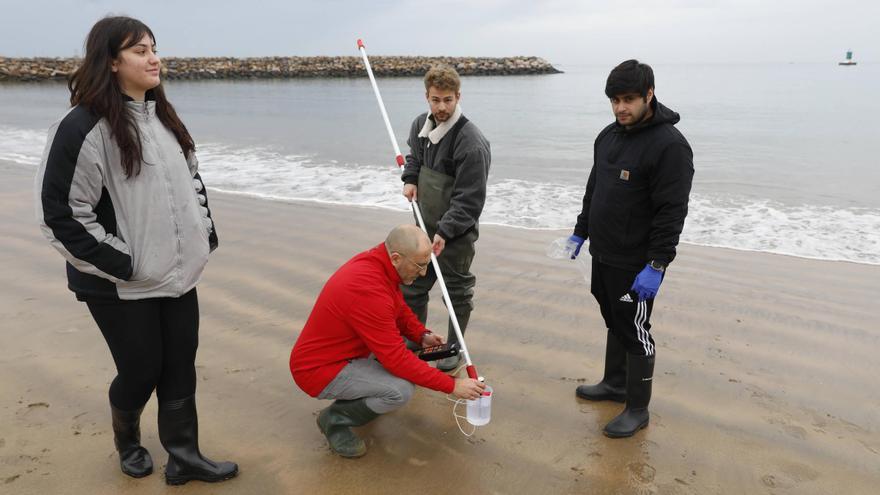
(43, 69)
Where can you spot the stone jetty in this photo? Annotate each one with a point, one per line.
(43, 69)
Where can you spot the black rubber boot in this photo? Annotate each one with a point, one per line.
(335, 423)
(639, 378)
(134, 460)
(613, 384)
(452, 362)
(179, 434)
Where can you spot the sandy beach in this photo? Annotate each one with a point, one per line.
(765, 380)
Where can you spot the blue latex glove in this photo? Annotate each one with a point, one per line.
(647, 283)
(574, 244)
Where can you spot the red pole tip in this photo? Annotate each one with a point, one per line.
(472, 372)
(400, 161)
(360, 43)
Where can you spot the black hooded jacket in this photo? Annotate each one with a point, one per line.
(637, 194)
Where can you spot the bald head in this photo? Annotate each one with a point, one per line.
(409, 251)
(407, 239)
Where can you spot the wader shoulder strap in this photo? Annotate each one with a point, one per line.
(449, 164)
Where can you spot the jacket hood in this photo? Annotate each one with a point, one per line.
(662, 115)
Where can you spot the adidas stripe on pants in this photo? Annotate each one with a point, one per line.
(628, 318)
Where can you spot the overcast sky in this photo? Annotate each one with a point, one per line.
(562, 31)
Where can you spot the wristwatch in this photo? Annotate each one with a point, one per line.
(657, 265)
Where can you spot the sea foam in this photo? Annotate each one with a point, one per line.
(714, 219)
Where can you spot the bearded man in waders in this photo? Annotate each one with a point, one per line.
(446, 172)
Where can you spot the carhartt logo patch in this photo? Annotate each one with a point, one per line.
(624, 174)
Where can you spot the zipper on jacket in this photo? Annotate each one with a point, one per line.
(175, 212)
(150, 134)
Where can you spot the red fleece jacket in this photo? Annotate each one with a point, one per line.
(361, 311)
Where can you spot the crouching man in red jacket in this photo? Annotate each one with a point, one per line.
(351, 348)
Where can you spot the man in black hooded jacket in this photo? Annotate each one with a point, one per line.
(633, 213)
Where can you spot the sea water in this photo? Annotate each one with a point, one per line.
(785, 156)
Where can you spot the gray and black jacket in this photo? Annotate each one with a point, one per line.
(471, 158)
(123, 238)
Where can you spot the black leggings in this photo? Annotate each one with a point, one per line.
(153, 342)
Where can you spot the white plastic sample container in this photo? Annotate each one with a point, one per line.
(479, 411)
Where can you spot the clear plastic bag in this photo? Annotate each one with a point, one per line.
(562, 249)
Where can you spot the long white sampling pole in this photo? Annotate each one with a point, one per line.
(471, 370)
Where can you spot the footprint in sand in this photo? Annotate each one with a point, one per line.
(792, 474)
(649, 444)
(770, 481)
(790, 429)
(795, 431)
(642, 472)
(34, 414)
(759, 393)
(799, 472)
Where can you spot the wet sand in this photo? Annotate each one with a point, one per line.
(765, 379)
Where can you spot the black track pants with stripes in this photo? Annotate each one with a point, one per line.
(624, 314)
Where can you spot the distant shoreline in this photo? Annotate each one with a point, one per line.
(48, 69)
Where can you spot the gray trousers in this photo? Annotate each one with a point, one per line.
(367, 378)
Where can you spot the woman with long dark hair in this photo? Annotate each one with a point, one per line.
(119, 195)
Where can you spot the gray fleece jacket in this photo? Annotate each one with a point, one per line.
(123, 238)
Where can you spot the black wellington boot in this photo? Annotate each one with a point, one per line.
(639, 378)
(613, 384)
(335, 423)
(452, 362)
(179, 434)
(421, 313)
(134, 460)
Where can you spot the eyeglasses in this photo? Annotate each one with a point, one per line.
(422, 266)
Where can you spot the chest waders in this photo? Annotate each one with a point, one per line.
(434, 197)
